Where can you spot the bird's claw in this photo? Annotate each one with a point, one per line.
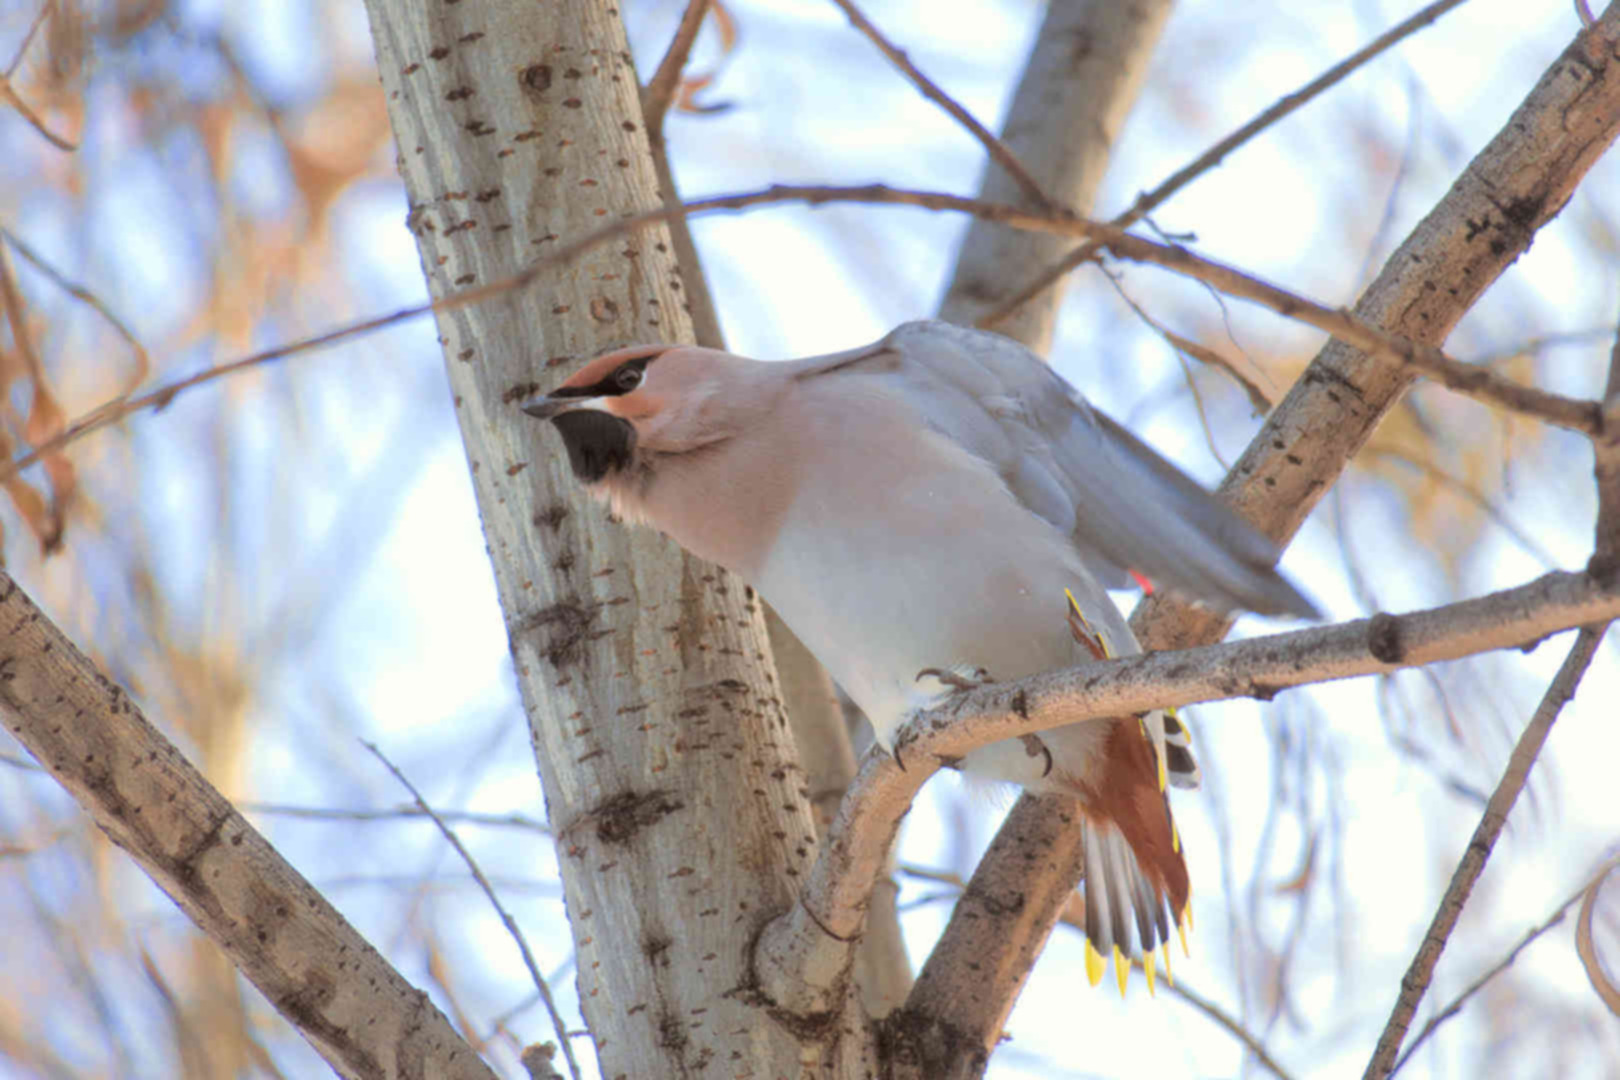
(959, 677)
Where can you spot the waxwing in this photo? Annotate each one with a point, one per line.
(939, 500)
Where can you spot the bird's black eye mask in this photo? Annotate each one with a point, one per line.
(621, 380)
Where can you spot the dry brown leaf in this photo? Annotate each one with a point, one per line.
(46, 419)
(686, 95)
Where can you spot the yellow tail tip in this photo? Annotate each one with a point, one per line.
(1122, 971)
(1169, 976)
(1181, 931)
(1094, 965)
(1147, 966)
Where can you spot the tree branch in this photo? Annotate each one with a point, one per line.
(812, 943)
(272, 923)
(1416, 980)
(1147, 202)
(1500, 966)
(540, 985)
(1354, 329)
(1084, 73)
(1605, 557)
(659, 92)
(998, 150)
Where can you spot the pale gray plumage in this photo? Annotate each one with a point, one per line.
(923, 502)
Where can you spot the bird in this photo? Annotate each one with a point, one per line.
(927, 512)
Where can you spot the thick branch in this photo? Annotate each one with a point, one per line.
(830, 911)
(319, 973)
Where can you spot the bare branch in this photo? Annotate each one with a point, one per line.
(1523, 758)
(1231, 1024)
(511, 925)
(1209, 159)
(1474, 381)
(1501, 965)
(400, 813)
(1074, 916)
(1258, 401)
(1605, 558)
(998, 151)
(659, 92)
(143, 360)
(1469, 379)
(811, 943)
(273, 924)
(1084, 73)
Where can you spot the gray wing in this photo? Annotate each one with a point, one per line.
(1124, 504)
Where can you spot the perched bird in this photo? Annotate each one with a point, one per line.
(939, 501)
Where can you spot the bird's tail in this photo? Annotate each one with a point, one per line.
(1136, 882)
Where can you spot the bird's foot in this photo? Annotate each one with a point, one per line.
(951, 681)
(957, 677)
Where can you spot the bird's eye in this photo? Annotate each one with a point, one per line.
(627, 378)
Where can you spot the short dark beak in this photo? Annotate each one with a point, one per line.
(546, 406)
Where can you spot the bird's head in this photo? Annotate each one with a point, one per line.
(624, 409)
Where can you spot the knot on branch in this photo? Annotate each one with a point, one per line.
(1384, 639)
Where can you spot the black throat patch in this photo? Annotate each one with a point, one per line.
(598, 443)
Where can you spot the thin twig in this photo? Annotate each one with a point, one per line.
(143, 360)
(999, 151)
(659, 92)
(17, 761)
(1534, 737)
(1472, 494)
(1231, 1024)
(28, 39)
(489, 891)
(465, 817)
(1212, 157)
(1476, 382)
(1500, 966)
(1074, 917)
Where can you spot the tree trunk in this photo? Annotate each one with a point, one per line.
(680, 810)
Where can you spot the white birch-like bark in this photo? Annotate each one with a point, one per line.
(679, 807)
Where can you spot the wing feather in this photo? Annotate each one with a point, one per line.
(1123, 504)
